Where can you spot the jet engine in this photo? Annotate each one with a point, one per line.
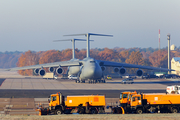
(59, 70)
(36, 71)
(122, 71)
(51, 69)
(139, 72)
(42, 72)
(101, 63)
(103, 68)
(116, 70)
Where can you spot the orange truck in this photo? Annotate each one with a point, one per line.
(90, 104)
(155, 102)
(124, 101)
(124, 97)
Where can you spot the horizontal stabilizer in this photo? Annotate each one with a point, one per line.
(71, 40)
(89, 34)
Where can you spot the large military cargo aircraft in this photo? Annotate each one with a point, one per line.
(88, 68)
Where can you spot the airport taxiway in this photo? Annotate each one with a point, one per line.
(60, 84)
(14, 85)
(41, 88)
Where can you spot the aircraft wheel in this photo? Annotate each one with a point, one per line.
(95, 81)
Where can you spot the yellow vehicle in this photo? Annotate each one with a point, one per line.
(76, 104)
(154, 102)
(125, 97)
(109, 77)
(124, 101)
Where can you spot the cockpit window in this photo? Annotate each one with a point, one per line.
(92, 61)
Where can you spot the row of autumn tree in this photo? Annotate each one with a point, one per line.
(9, 59)
(156, 58)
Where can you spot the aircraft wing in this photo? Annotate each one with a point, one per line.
(54, 64)
(125, 65)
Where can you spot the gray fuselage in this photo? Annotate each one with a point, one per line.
(90, 69)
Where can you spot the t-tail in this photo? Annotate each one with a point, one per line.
(88, 37)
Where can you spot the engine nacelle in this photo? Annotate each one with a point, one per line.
(116, 70)
(36, 71)
(59, 70)
(42, 72)
(103, 68)
(122, 71)
(101, 63)
(51, 69)
(139, 72)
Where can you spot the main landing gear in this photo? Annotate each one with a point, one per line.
(91, 81)
(97, 81)
(80, 81)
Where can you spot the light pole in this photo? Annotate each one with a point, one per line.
(169, 65)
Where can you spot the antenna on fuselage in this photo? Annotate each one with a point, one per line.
(73, 44)
(88, 36)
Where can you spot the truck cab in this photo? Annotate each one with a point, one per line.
(56, 103)
(135, 100)
(125, 100)
(137, 103)
(124, 97)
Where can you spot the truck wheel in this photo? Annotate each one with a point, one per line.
(139, 111)
(101, 110)
(81, 110)
(94, 111)
(174, 110)
(58, 112)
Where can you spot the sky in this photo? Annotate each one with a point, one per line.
(34, 24)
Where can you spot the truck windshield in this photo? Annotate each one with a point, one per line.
(53, 98)
(124, 95)
(133, 99)
(49, 99)
(120, 95)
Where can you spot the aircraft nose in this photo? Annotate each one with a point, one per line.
(95, 72)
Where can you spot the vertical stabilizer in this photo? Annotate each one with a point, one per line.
(88, 37)
(73, 44)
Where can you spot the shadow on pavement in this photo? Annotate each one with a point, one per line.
(1, 81)
(177, 82)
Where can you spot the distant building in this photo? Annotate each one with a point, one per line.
(173, 47)
(175, 65)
